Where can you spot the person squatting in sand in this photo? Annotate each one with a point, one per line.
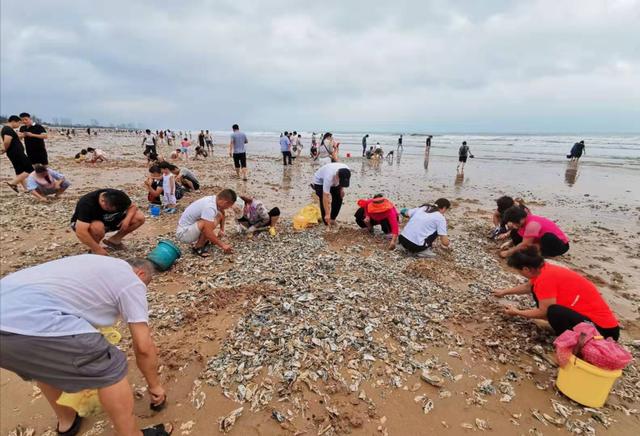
(379, 211)
(528, 229)
(503, 203)
(255, 216)
(48, 319)
(329, 183)
(198, 223)
(426, 224)
(563, 297)
(44, 181)
(103, 211)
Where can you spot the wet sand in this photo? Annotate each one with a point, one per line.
(603, 227)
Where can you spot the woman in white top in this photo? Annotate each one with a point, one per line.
(426, 224)
(328, 149)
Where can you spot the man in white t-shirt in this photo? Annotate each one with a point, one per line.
(329, 183)
(426, 224)
(149, 142)
(48, 333)
(200, 219)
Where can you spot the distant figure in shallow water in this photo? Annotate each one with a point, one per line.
(576, 151)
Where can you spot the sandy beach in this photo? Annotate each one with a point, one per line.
(328, 332)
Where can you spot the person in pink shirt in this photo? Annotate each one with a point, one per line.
(528, 230)
(379, 211)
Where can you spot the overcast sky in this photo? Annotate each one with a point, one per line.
(401, 66)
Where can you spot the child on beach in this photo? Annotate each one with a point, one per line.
(95, 155)
(503, 203)
(80, 157)
(169, 191)
(256, 217)
(153, 183)
(184, 148)
(463, 152)
(200, 152)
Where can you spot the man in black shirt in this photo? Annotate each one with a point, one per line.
(103, 211)
(12, 145)
(34, 136)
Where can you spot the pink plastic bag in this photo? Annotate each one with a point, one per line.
(605, 354)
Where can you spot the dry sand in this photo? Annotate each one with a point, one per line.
(197, 307)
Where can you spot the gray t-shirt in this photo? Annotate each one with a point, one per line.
(71, 296)
(239, 139)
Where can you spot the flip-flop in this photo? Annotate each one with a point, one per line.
(115, 246)
(14, 187)
(202, 252)
(158, 430)
(74, 429)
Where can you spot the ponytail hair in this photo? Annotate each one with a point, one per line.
(440, 203)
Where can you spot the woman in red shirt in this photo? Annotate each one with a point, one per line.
(562, 296)
(379, 210)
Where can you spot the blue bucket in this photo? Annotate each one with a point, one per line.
(154, 210)
(164, 255)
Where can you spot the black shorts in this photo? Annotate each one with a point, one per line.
(109, 226)
(20, 161)
(150, 149)
(240, 160)
(462, 159)
(37, 155)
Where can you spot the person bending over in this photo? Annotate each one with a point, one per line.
(103, 211)
(256, 217)
(12, 146)
(185, 178)
(44, 181)
(329, 183)
(426, 224)
(49, 320)
(153, 184)
(200, 219)
(503, 203)
(527, 230)
(379, 211)
(562, 296)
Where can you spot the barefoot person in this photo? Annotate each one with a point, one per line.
(103, 211)
(34, 136)
(379, 210)
(238, 151)
(200, 219)
(329, 183)
(48, 333)
(528, 229)
(12, 146)
(426, 224)
(256, 217)
(562, 296)
(149, 142)
(44, 181)
(502, 204)
(463, 153)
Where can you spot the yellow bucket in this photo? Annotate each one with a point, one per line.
(585, 383)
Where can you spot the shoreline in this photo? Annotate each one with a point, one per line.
(200, 306)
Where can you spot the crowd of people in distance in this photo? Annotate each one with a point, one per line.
(97, 289)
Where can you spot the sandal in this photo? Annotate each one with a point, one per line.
(158, 430)
(202, 251)
(113, 245)
(73, 430)
(14, 187)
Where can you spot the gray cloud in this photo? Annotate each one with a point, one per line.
(405, 65)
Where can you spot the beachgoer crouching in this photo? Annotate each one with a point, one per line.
(502, 204)
(256, 217)
(199, 221)
(379, 211)
(153, 184)
(100, 212)
(528, 229)
(426, 224)
(44, 181)
(49, 320)
(563, 297)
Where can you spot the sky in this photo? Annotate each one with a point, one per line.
(539, 66)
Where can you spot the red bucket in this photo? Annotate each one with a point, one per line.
(348, 154)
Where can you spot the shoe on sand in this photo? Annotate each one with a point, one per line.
(426, 254)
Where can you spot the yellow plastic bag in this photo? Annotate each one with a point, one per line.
(86, 402)
(308, 215)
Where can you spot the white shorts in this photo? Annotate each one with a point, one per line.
(168, 199)
(188, 235)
